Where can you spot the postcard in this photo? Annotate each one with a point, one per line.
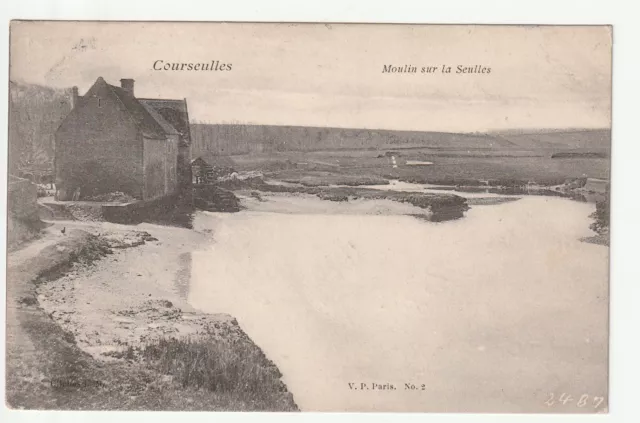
(308, 217)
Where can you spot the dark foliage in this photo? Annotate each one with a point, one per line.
(601, 216)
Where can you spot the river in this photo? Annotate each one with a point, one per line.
(504, 310)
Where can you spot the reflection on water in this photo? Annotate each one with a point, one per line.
(492, 312)
(442, 216)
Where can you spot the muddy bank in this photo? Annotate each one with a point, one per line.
(94, 321)
(571, 188)
(436, 207)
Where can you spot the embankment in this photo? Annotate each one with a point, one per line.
(175, 210)
(215, 199)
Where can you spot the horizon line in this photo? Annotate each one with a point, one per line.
(520, 130)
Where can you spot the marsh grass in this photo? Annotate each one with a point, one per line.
(222, 366)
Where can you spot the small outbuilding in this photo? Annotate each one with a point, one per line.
(207, 168)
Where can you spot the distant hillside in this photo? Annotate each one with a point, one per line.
(241, 139)
(35, 112)
(228, 139)
(573, 139)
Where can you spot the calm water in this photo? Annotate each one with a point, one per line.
(494, 312)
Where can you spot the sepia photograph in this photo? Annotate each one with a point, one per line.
(308, 217)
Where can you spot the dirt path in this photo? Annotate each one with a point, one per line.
(27, 327)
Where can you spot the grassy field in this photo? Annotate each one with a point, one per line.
(448, 166)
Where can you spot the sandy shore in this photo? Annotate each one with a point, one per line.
(133, 296)
(99, 320)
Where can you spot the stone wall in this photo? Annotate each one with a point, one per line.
(174, 209)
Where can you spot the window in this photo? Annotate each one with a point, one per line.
(99, 102)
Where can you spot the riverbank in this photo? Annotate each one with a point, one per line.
(97, 320)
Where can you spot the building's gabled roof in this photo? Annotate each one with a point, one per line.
(156, 118)
(149, 126)
(174, 112)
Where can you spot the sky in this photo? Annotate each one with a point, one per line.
(332, 74)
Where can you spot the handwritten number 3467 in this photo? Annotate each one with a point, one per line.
(583, 401)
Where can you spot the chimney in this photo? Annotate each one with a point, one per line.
(127, 85)
(74, 97)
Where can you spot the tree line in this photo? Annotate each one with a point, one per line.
(35, 112)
